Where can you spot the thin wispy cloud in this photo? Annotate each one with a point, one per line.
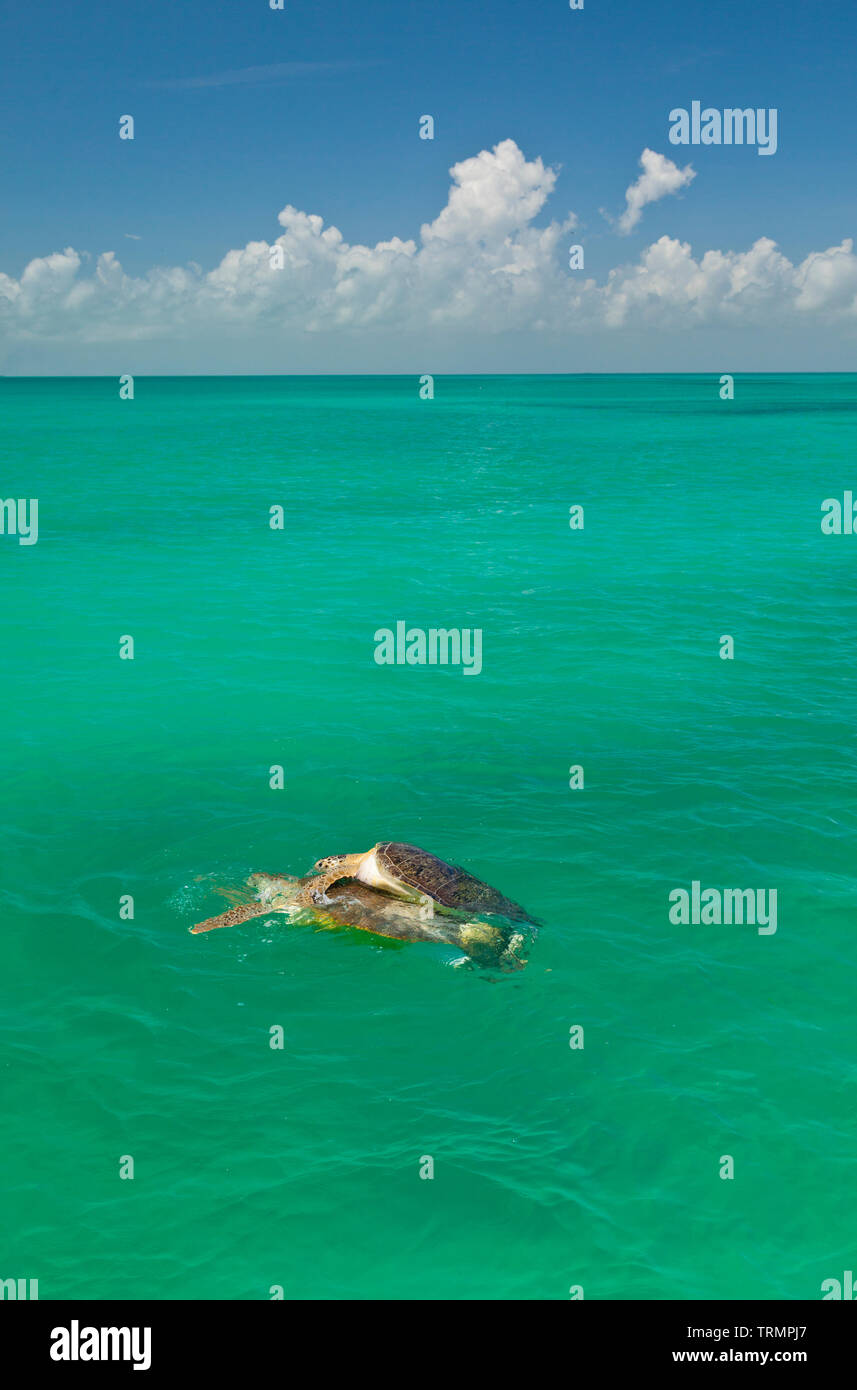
(690, 57)
(268, 73)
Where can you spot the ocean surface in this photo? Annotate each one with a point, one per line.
(555, 1167)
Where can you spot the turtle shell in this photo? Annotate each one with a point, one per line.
(448, 885)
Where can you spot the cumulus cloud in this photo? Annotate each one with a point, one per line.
(482, 266)
(659, 177)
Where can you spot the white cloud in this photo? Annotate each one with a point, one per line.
(480, 267)
(493, 195)
(827, 279)
(659, 177)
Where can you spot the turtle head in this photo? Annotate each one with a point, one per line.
(330, 863)
(487, 945)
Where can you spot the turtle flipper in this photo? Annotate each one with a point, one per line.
(313, 890)
(326, 872)
(233, 917)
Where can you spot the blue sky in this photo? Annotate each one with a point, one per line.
(240, 110)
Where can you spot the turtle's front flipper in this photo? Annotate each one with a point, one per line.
(313, 890)
(233, 917)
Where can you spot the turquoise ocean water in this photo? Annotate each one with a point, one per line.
(553, 1166)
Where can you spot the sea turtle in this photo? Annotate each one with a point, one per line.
(415, 875)
(353, 904)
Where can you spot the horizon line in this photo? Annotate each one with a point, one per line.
(369, 376)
